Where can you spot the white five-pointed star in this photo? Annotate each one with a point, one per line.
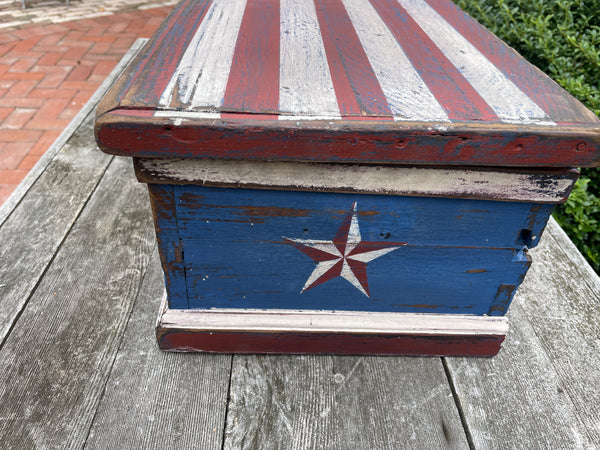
(346, 255)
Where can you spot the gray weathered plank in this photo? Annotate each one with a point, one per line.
(35, 220)
(336, 402)
(155, 399)
(32, 234)
(562, 299)
(55, 362)
(541, 389)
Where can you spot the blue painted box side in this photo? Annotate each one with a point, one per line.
(415, 279)
(508, 288)
(221, 213)
(170, 246)
(250, 249)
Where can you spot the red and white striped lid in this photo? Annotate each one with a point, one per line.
(397, 81)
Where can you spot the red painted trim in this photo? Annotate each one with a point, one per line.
(279, 140)
(456, 95)
(254, 77)
(356, 86)
(248, 116)
(333, 343)
(134, 112)
(549, 96)
(153, 72)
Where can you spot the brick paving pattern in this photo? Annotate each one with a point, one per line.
(49, 71)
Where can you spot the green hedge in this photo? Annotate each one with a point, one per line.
(562, 38)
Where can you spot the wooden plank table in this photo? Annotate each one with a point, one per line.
(80, 283)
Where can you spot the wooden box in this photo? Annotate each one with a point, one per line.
(343, 176)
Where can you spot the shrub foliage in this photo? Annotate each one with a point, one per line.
(562, 38)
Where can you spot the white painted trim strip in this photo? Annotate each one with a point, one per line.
(199, 115)
(432, 182)
(503, 96)
(350, 322)
(406, 92)
(305, 85)
(202, 74)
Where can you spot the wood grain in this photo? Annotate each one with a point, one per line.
(508, 102)
(306, 86)
(155, 399)
(45, 215)
(47, 203)
(203, 80)
(562, 298)
(57, 359)
(139, 133)
(540, 391)
(534, 185)
(408, 95)
(334, 402)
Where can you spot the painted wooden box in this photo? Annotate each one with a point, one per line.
(343, 176)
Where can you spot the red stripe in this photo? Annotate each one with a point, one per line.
(356, 86)
(456, 95)
(247, 116)
(550, 97)
(166, 48)
(253, 84)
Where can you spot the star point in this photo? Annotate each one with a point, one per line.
(346, 255)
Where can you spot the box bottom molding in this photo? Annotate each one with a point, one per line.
(328, 332)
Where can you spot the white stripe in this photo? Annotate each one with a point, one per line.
(203, 71)
(305, 85)
(506, 99)
(406, 92)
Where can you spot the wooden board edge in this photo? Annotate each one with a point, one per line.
(328, 332)
(536, 186)
(140, 133)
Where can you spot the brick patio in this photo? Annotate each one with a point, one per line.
(49, 71)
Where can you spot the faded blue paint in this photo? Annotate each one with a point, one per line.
(236, 254)
(265, 275)
(263, 214)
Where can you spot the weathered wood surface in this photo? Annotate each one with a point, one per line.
(58, 197)
(535, 186)
(329, 332)
(252, 248)
(57, 189)
(174, 400)
(59, 353)
(338, 402)
(80, 367)
(541, 391)
(389, 81)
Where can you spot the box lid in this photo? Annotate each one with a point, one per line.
(387, 81)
